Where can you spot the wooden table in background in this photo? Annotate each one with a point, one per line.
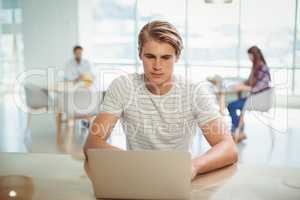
(57, 91)
(224, 87)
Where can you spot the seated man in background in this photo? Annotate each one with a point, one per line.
(79, 69)
(159, 111)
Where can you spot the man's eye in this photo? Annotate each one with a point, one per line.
(150, 57)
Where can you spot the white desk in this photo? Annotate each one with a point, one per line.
(55, 177)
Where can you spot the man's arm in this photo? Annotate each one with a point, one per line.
(99, 133)
(223, 150)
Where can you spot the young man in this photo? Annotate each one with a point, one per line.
(161, 111)
(78, 69)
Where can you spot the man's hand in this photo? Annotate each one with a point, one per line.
(99, 132)
(194, 171)
(223, 150)
(86, 168)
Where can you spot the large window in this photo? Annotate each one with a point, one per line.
(297, 37)
(268, 24)
(212, 33)
(273, 34)
(114, 31)
(216, 36)
(11, 42)
(296, 72)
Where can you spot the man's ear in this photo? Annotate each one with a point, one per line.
(177, 58)
(141, 54)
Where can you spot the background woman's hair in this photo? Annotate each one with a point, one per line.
(259, 58)
(257, 64)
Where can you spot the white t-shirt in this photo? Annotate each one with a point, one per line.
(166, 122)
(73, 69)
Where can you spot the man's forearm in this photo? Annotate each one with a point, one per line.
(218, 156)
(98, 143)
(102, 144)
(99, 132)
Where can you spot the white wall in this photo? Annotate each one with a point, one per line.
(50, 29)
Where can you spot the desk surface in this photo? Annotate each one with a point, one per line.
(53, 176)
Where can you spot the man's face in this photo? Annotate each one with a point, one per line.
(78, 54)
(158, 61)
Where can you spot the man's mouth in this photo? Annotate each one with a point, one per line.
(156, 74)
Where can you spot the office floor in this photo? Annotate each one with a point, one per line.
(273, 138)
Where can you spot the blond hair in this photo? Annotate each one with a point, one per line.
(161, 31)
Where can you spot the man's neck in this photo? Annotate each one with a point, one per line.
(160, 89)
(78, 60)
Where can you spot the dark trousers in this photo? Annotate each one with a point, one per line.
(232, 108)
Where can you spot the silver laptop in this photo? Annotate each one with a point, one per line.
(140, 174)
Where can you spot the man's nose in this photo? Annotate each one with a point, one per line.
(157, 64)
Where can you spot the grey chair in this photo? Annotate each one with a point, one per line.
(36, 100)
(79, 104)
(260, 102)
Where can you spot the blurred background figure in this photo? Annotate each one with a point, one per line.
(258, 81)
(79, 69)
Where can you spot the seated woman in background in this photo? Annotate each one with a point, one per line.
(258, 81)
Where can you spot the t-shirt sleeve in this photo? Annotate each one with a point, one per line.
(114, 98)
(204, 104)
